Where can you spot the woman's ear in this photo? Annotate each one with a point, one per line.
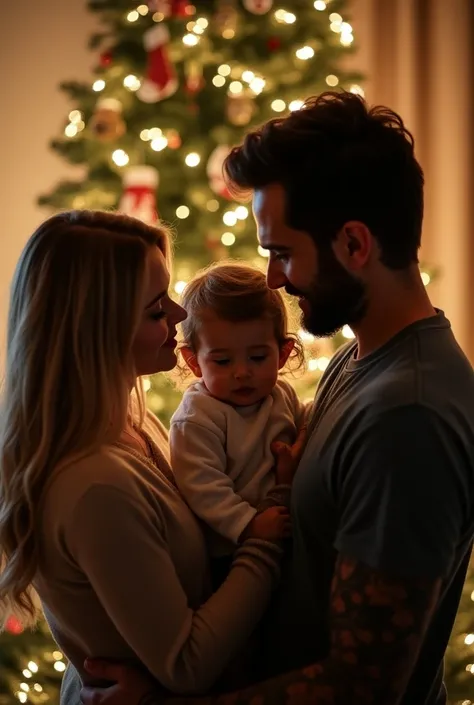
(285, 352)
(191, 360)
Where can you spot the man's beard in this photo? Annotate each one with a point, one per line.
(335, 299)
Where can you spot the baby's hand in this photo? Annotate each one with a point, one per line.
(272, 524)
(287, 458)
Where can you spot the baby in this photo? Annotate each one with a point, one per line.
(235, 342)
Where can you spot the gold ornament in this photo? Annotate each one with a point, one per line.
(226, 18)
(107, 123)
(240, 109)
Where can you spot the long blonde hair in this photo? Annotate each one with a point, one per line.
(74, 310)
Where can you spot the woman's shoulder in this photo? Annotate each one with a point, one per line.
(107, 467)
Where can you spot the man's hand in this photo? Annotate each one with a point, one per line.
(287, 457)
(132, 687)
(272, 524)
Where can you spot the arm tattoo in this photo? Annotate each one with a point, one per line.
(377, 625)
(151, 698)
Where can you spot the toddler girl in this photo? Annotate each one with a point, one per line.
(235, 342)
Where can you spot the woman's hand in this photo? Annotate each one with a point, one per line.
(287, 457)
(131, 686)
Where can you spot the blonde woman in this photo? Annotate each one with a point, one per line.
(90, 516)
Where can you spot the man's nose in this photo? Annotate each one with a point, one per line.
(276, 278)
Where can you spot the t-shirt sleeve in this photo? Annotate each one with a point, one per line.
(121, 547)
(401, 494)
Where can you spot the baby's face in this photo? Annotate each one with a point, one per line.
(238, 362)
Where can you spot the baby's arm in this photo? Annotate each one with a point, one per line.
(199, 464)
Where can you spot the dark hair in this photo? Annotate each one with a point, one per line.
(338, 160)
(235, 292)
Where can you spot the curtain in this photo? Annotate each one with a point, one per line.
(418, 58)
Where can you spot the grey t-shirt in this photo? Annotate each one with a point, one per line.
(387, 477)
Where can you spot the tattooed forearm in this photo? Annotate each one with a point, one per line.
(377, 625)
(151, 698)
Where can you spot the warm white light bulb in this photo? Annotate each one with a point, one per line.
(224, 70)
(425, 278)
(228, 239)
(70, 130)
(320, 5)
(332, 80)
(143, 10)
(60, 666)
(347, 332)
(190, 40)
(278, 105)
(218, 81)
(236, 87)
(159, 143)
(202, 22)
(133, 16)
(131, 82)
(75, 116)
(179, 287)
(248, 76)
(229, 218)
(241, 212)
(357, 90)
(98, 85)
(257, 85)
(120, 157)
(192, 159)
(263, 252)
(296, 105)
(182, 212)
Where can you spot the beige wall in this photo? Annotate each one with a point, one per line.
(40, 45)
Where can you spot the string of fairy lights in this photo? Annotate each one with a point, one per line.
(236, 80)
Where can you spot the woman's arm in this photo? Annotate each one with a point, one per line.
(121, 546)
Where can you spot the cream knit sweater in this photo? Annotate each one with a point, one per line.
(123, 573)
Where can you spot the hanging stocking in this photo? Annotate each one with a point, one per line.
(160, 81)
(139, 193)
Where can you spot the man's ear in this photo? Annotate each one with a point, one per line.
(191, 360)
(285, 352)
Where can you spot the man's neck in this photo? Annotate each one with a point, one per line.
(393, 306)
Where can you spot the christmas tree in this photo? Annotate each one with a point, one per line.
(460, 653)
(176, 84)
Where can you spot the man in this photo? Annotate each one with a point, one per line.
(383, 499)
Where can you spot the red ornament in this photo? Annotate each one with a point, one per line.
(13, 626)
(106, 59)
(171, 8)
(174, 140)
(273, 44)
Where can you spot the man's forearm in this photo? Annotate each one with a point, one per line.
(318, 684)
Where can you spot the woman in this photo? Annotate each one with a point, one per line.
(89, 511)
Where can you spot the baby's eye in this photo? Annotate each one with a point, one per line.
(258, 358)
(222, 362)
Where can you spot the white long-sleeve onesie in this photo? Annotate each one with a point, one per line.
(221, 456)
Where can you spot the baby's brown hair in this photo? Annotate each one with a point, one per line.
(236, 292)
